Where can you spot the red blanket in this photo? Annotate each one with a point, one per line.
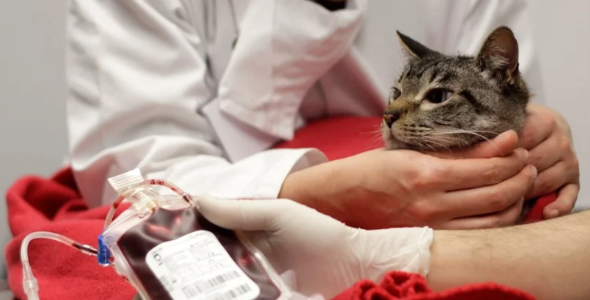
(54, 204)
(406, 286)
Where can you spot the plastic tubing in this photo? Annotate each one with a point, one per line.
(30, 284)
(187, 197)
(112, 210)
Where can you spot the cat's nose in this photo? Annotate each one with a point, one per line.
(390, 117)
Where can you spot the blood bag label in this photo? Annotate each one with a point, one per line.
(197, 267)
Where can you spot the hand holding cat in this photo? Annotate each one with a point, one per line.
(548, 138)
(406, 188)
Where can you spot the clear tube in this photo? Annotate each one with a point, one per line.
(187, 197)
(30, 284)
(133, 178)
(112, 210)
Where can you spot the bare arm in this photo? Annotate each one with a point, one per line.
(550, 259)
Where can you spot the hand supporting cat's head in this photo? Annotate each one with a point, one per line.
(442, 102)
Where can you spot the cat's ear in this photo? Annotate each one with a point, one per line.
(499, 53)
(414, 48)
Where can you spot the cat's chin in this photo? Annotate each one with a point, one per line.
(394, 144)
(391, 143)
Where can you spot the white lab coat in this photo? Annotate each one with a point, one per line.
(141, 95)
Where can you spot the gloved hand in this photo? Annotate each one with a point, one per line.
(326, 255)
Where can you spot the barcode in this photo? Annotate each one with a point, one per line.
(234, 293)
(203, 286)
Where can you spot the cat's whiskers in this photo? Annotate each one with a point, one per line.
(417, 142)
(376, 138)
(456, 142)
(476, 131)
(434, 140)
(376, 131)
(420, 136)
(445, 132)
(425, 143)
(449, 140)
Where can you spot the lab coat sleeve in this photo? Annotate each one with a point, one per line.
(463, 26)
(136, 79)
(289, 45)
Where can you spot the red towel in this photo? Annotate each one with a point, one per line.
(39, 204)
(406, 286)
(54, 204)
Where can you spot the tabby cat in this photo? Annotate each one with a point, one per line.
(443, 102)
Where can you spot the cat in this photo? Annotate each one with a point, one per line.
(442, 102)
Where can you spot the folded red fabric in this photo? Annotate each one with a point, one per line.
(406, 286)
(54, 204)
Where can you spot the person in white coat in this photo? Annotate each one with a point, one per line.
(196, 91)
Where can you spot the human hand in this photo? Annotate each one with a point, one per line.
(472, 188)
(326, 255)
(548, 138)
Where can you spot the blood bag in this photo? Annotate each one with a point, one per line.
(166, 249)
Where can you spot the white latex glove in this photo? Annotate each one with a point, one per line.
(326, 255)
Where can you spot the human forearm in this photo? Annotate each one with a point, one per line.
(324, 187)
(550, 259)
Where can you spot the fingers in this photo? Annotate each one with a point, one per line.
(544, 155)
(489, 199)
(564, 204)
(502, 145)
(247, 215)
(473, 173)
(549, 180)
(537, 127)
(506, 217)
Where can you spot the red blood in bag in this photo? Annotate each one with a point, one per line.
(165, 225)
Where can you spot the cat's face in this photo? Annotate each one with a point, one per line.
(441, 102)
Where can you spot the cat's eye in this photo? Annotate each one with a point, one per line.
(395, 94)
(438, 95)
